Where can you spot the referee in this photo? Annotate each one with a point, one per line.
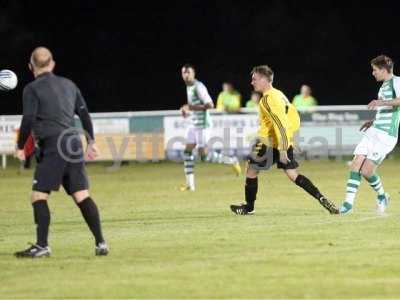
(50, 103)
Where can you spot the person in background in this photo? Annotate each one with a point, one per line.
(199, 102)
(305, 98)
(229, 100)
(254, 100)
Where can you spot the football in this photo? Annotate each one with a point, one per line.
(8, 80)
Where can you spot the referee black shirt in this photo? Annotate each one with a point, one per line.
(50, 103)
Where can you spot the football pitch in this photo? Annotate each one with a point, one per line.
(170, 244)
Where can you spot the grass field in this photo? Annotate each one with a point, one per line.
(169, 244)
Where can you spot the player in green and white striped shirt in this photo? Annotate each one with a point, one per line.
(380, 136)
(198, 104)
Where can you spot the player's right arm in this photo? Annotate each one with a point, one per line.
(184, 110)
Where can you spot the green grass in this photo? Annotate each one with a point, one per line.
(168, 244)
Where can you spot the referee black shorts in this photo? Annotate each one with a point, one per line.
(60, 162)
(263, 157)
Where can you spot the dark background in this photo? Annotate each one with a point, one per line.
(126, 56)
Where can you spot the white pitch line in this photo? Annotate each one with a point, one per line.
(336, 220)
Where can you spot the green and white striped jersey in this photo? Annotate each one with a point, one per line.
(387, 117)
(198, 94)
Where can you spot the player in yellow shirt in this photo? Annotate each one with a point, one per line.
(279, 120)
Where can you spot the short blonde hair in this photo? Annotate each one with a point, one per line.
(265, 71)
(383, 62)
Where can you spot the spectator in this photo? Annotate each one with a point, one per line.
(254, 100)
(229, 99)
(305, 99)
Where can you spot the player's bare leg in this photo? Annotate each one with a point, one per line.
(309, 187)
(188, 165)
(41, 214)
(91, 215)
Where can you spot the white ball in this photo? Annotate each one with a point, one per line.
(8, 80)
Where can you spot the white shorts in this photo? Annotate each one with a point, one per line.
(375, 145)
(198, 136)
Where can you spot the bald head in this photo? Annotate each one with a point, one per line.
(42, 60)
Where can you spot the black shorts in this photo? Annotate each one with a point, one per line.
(60, 162)
(263, 157)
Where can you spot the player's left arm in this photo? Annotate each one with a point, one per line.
(206, 100)
(394, 102)
(376, 103)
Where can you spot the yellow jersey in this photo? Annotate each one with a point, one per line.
(279, 120)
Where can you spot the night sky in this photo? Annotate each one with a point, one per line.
(126, 56)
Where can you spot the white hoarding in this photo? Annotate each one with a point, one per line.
(8, 127)
(226, 131)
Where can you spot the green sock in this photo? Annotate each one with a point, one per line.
(352, 186)
(376, 183)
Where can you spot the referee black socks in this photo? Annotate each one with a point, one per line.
(92, 217)
(41, 214)
(251, 188)
(308, 186)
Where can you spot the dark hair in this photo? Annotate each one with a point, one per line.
(188, 66)
(383, 62)
(229, 83)
(264, 71)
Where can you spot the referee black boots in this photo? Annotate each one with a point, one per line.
(34, 251)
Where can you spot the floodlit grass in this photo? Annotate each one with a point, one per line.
(169, 244)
